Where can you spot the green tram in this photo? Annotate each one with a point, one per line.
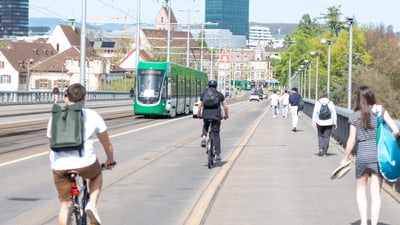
(167, 89)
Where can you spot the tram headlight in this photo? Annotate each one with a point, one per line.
(168, 105)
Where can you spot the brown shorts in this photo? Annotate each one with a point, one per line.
(62, 181)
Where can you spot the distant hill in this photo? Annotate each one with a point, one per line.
(52, 22)
(281, 29)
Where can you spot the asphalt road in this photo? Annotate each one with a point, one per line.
(161, 173)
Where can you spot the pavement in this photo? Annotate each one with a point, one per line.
(279, 179)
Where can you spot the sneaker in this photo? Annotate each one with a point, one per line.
(93, 215)
(294, 129)
(203, 143)
(321, 152)
(218, 157)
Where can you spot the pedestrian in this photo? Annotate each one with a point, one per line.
(284, 102)
(56, 92)
(213, 114)
(363, 127)
(274, 103)
(324, 118)
(131, 93)
(65, 89)
(86, 162)
(293, 104)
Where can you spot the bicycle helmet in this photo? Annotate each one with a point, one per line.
(212, 83)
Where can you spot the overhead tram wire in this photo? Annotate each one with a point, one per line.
(46, 12)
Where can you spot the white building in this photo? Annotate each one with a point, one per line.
(260, 35)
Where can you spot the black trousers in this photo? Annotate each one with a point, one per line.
(216, 124)
(324, 136)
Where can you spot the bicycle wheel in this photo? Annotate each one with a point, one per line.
(210, 153)
(85, 200)
(74, 215)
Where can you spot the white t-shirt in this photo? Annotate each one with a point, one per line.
(94, 124)
(284, 99)
(274, 99)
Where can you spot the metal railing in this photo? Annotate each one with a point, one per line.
(41, 97)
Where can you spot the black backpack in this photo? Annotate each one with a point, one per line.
(67, 127)
(300, 103)
(324, 112)
(211, 98)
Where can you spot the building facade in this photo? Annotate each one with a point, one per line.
(14, 18)
(231, 15)
(260, 35)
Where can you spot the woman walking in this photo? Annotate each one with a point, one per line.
(363, 126)
(324, 119)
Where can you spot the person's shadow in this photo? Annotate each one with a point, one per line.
(369, 222)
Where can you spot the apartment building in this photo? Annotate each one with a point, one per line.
(14, 18)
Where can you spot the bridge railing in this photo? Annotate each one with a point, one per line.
(342, 132)
(39, 97)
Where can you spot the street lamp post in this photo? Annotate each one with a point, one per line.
(138, 33)
(28, 77)
(316, 54)
(349, 20)
(290, 71)
(188, 34)
(307, 61)
(202, 42)
(83, 44)
(328, 83)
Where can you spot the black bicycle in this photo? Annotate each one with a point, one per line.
(210, 146)
(80, 198)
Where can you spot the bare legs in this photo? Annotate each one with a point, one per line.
(375, 192)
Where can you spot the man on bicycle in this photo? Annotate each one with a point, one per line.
(85, 161)
(212, 113)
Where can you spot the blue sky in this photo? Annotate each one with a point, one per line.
(288, 11)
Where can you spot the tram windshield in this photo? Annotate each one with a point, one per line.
(149, 84)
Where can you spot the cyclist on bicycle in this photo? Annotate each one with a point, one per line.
(214, 114)
(86, 164)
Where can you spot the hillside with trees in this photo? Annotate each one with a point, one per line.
(375, 57)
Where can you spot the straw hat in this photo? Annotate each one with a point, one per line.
(341, 171)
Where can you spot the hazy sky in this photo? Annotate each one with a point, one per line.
(289, 11)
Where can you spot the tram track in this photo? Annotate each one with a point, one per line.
(26, 137)
(21, 138)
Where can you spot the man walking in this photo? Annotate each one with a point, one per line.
(56, 92)
(293, 102)
(274, 104)
(284, 101)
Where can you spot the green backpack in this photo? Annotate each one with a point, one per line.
(67, 126)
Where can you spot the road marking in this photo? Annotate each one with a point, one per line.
(199, 210)
(111, 136)
(23, 159)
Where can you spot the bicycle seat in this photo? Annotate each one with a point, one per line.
(73, 172)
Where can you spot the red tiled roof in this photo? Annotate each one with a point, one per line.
(18, 53)
(158, 38)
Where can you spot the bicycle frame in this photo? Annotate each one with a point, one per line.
(80, 197)
(210, 146)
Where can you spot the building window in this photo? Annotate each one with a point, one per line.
(5, 79)
(1, 65)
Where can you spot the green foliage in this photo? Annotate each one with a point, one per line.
(307, 37)
(119, 85)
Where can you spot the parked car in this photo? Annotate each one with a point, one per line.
(255, 97)
(196, 109)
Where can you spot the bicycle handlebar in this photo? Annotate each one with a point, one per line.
(108, 167)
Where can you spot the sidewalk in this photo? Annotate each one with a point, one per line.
(279, 180)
